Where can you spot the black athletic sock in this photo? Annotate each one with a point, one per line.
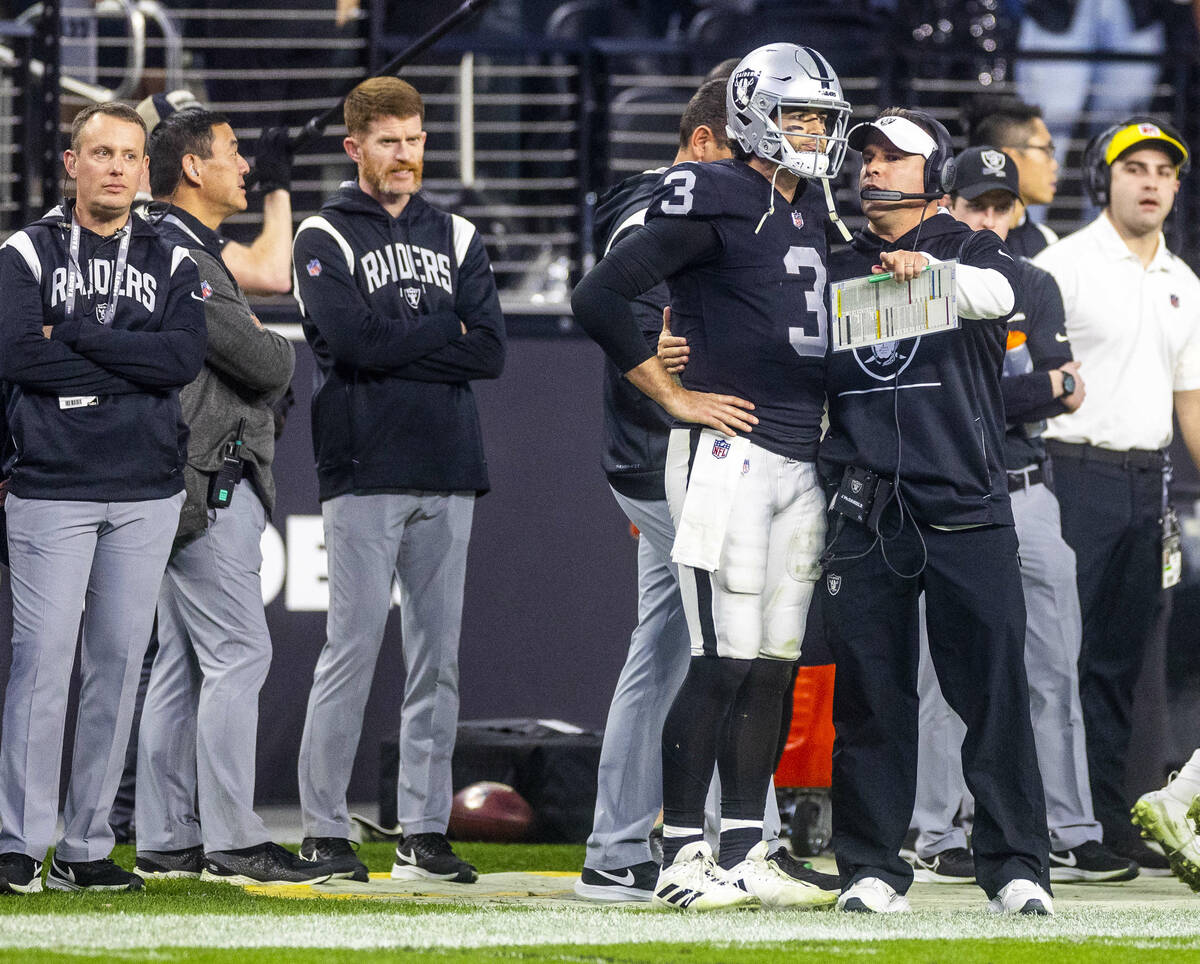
(691, 733)
(675, 842)
(748, 750)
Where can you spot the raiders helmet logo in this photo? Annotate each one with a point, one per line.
(993, 162)
(856, 486)
(833, 582)
(744, 82)
(412, 296)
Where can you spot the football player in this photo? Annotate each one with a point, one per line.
(741, 244)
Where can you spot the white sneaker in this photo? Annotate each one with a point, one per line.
(775, 887)
(695, 882)
(1021, 896)
(870, 895)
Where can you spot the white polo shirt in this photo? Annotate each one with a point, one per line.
(1135, 332)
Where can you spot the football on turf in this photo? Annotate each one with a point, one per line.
(492, 812)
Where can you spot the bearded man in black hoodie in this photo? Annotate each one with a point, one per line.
(925, 417)
(402, 313)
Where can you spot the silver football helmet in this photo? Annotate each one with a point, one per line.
(778, 78)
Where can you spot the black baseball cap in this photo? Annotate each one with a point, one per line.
(983, 169)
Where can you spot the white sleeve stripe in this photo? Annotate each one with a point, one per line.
(179, 254)
(320, 224)
(22, 243)
(464, 231)
(637, 218)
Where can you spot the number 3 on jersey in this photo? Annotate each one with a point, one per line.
(685, 181)
(810, 336)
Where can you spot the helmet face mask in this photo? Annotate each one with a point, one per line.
(773, 81)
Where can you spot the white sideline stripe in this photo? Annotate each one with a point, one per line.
(494, 927)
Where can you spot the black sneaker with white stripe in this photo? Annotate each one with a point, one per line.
(90, 875)
(20, 874)
(1090, 861)
(182, 864)
(428, 856)
(338, 856)
(635, 882)
(803, 871)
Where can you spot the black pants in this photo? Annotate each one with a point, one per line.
(975, 613)
(1110, 518)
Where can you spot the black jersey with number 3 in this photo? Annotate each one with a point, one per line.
(754, 314)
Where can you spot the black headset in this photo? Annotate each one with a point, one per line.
(941, 170)
(1096, 170)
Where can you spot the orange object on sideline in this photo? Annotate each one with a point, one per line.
(808, 756)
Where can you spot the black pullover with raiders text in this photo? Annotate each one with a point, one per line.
(93, 410)
(941, 390)
(384, 300)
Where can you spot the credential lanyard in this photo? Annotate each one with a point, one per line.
(75, 273)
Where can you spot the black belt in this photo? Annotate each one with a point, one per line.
(1143, 459)
(1025, 478)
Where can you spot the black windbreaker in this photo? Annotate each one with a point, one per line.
(635, 426)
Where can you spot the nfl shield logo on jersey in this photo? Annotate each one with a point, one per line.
(1174, 301)
(412, 296)
(205, 290)
(798, 219)
(314, 268)
(720, 448)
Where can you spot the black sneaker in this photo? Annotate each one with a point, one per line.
(90, 875)
(1093, 861)
(266, 863)
(1151, 863)
(635, 882)
(169, 864)
(953, 866)
(19, 874)
(337, 854)
(803, 870)
(427, 856)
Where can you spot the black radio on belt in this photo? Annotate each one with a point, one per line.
(223, 482)
(862, 496)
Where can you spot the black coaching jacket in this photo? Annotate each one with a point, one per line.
(384, 300)
(942, 390)
(93, 410)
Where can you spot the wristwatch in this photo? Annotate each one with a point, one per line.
(1068, 385)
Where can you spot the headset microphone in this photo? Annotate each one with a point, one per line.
(872, 194)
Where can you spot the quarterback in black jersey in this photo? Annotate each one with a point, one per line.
(741, 244)
(926, 416)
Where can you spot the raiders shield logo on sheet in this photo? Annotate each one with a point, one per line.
(412, 296)
(833, 582)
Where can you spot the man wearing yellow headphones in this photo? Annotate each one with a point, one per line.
(1133, 319)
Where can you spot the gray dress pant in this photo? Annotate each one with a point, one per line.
(1052, 637)
(109, 557)
(421, 538)
(629, 781)
(196, 746)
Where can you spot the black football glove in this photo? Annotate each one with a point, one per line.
(273, 160)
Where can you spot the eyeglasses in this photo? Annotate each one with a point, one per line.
(1047, 149)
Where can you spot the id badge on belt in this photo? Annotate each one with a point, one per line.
(1172, 552)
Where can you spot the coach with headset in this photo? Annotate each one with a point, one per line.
(914, 466)
(1133, 318)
